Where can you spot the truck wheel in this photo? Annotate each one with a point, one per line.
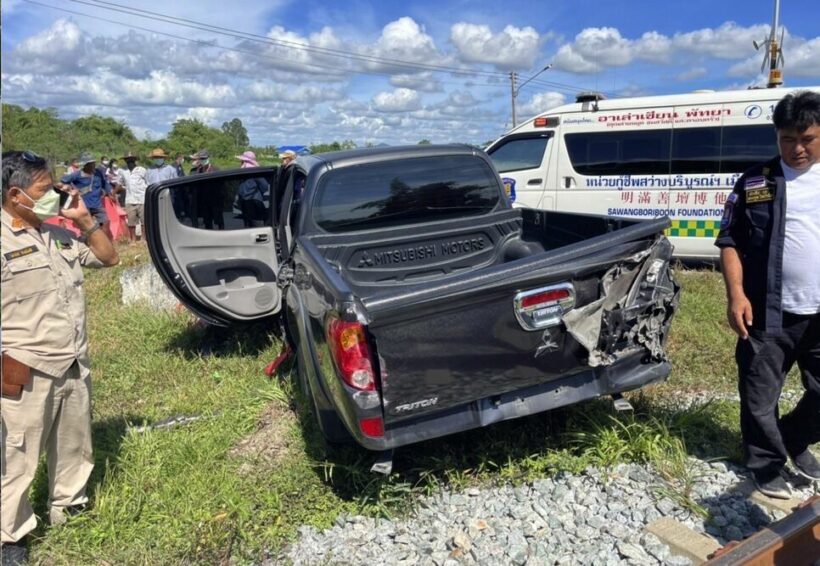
(330, 425)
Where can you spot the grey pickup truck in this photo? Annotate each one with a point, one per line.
(417, 301)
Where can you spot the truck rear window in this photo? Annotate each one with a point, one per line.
(406, 191)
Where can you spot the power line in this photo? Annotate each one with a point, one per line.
(236, 34)
(307, 68)
(205, 43)
(307, 47)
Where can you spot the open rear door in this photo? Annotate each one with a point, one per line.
(220, 263)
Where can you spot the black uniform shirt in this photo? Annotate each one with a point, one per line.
(754, 222)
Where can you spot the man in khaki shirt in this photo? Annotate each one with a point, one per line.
(46, 371)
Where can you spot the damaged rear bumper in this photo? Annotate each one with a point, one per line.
(626, 374)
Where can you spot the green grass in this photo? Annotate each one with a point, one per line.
(241, 478)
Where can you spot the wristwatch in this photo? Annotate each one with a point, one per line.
(87, 233)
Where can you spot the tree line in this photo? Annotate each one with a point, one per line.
(60, 140)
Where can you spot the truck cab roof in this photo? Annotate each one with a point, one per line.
(358, 156)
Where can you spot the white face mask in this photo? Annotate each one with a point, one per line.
(47, 206)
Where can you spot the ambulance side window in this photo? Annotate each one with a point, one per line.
(743, 146)
(696, 150)
(519, 153)
(633, 152)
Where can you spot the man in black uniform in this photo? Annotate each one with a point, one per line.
(770, 242)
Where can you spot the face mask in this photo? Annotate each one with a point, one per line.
(105, 163)
(159, 162)
(48, 206)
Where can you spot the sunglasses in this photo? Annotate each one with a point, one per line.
(30, 156)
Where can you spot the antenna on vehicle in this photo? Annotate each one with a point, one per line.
(774, 51)
(586, 98)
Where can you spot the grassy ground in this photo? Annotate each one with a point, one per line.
(238, 480)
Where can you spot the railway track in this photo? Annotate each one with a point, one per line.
(793, 540)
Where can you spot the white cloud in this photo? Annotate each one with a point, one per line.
(568, 59)
(595, 49)
(164, 88)
(208, 116)
(510, 49)
(729, 41)
(539, 103)
(260, 91)
(653, 46)
(424, 82)
(693, 73)
(402, 40)
(400, 100)
(803, 59)
(56, 49)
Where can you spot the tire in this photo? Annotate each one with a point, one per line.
(330, 425)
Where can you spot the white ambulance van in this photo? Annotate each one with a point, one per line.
(676, 155)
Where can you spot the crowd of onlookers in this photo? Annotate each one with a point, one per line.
(114, 189)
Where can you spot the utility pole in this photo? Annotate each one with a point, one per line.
(774, 52)
(512, 96)
(775, 55)
(514, 90)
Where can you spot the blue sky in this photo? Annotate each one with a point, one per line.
(373, 72)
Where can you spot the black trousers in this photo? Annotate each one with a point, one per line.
(763, 362)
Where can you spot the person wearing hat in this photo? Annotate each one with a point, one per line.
(252, 193)
(287, 157)
(93, 186)
(46, 382)
(202, 162)
(209, 204)
(159, 169)
(136, 181)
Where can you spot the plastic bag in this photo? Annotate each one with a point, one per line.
(117, 219)
(64, 223)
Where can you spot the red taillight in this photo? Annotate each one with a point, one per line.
(348, 344)
(545, 297)
(373, 427)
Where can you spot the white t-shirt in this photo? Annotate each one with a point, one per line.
(801, 249)
(137, 183)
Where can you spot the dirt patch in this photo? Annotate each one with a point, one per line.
(270, 442)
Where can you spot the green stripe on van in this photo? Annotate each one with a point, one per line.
(694, 228)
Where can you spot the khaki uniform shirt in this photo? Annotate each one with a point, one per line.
(43, 304)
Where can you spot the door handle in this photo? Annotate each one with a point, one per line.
(535, 181)
(262, 238)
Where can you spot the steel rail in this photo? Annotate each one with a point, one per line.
(791, 541)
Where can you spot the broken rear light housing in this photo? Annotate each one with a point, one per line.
(351, 353)
(543, 307)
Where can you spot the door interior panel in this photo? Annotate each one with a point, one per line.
(230, 271)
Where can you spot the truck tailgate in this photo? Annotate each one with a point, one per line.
(461, 341)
